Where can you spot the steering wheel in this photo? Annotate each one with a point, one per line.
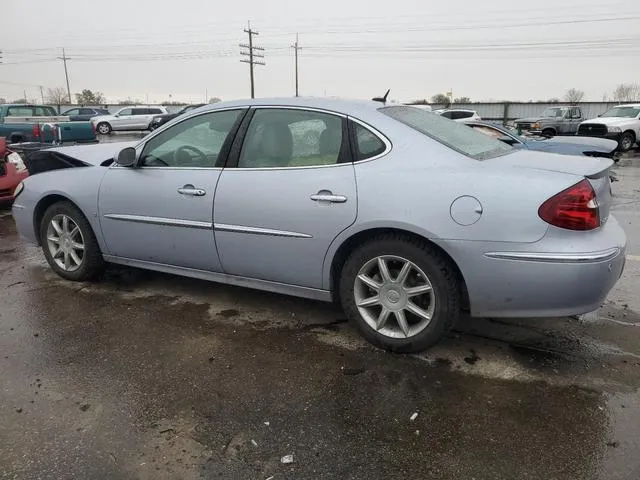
(187, 148)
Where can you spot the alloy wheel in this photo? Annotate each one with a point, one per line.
(65, 242)
(394, 296)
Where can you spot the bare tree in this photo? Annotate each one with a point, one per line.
(574, 96)
(462, 100)
(57, 96)
(215, 100)
(440, 98)
(3, 100)
(627, 92)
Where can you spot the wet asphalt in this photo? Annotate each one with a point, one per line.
(149, 376)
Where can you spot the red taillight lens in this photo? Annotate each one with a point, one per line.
(35, 130)
(574, 208)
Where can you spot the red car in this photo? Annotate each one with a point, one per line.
(12, 172)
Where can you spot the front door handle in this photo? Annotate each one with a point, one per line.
(191, 190)
(326, 196)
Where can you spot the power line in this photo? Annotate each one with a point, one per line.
(251, 53)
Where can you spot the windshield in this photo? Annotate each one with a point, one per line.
(457, 136)
(622, 112)
(554, 112)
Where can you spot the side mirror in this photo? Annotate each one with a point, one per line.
(508, 140)
(126, 157)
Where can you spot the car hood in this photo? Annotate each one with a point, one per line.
(554, 162)
(531, 119)
(94, 154)
(613, 121)
(590, 143)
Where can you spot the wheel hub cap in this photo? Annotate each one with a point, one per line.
(65, 243)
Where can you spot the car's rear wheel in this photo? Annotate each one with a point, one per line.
(401, 294)
(626, 141)
(68, 243)
(103, 128)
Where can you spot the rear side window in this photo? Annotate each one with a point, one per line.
(367, 143)
(447, 115)
(19, 112)
(461, 115)
(44, 112)
(154, 111)
(456, 136)
(87, 111)
(140, 111)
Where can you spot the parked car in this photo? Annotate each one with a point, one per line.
(592, 147)
(128, 118)
(159, 120)
(553, 121)
(84, 114)
(402, 216)
(12, 172)
(41, 123)
(621, 123)
(459, 115)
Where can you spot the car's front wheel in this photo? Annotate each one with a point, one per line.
(626, 141)
(401, 294)
(68, 242)
(103, 128)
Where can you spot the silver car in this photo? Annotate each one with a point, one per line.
(127, 119)
(404, 217)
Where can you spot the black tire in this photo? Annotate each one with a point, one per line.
(92, 264)
(548, 133)
(104, 128)
(442, 275)
(626, 141)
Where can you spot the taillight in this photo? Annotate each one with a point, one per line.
(574, 208)
(35, 130)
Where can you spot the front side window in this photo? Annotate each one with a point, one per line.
(44, 112)
(124, 111)
(74, 111)
(195, 142)
(554, 112)
(291, 138)
(456, 136)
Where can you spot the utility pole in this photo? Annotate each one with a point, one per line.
(42, 94)
(24, 92)
(251, 53)
(296, 48)
(64, 59)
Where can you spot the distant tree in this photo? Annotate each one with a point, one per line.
(57, 96)
(87, 97)
(627, 92)
(440, 98)
(462, 100)
(130, 101)
(3, 100)
(423, 101)
(553, 100)
(19, 100)
(574, 96)
(215, 100)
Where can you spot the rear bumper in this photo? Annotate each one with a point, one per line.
(539, 282)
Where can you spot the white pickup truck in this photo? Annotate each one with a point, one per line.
(621, 123)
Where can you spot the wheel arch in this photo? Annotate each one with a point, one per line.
(546, 129)
(353, 241)
(44, 203)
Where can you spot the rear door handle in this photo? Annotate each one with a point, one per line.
(191, 190)
(328, 197)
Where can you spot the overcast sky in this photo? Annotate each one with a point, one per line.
(490, 50)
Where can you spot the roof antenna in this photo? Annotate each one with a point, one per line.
(382, 99)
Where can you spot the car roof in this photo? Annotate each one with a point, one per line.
(633, 105)
(458, 110)
(339, 105)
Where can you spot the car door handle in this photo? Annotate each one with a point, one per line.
(328, 197)
(191, 190)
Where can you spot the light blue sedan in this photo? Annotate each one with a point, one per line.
(404, 217)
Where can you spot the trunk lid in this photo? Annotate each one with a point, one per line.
(595, 169)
